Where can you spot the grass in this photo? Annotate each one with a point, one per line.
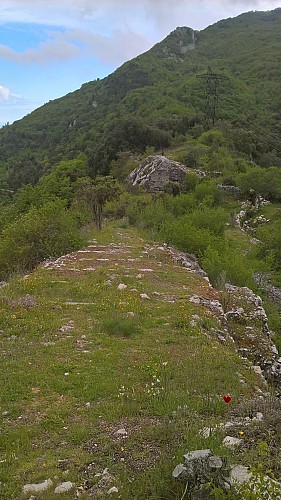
(77, 367)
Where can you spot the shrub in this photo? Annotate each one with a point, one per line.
(226, 261)
(37, 235)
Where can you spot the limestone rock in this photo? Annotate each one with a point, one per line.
(112, 490)
(122, 286)
(64, 487)
(200, 468)
(121, 432)
(239, 474)
(144, 296)
(232, 442)
(156, 171)
(37, 487)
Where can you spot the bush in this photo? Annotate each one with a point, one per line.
(186, 236)
(37, 235)
(228, 262)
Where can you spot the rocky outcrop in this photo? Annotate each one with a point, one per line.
(200, 468)
(202, 471)
(156, 171)
(242, 319)
(230, 190)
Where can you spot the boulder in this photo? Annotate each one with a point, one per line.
(200, 468)
(156, 171)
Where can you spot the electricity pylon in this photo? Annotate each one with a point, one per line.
(212, 93)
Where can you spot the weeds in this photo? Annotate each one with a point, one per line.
(120, 325)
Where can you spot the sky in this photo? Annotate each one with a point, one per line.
(50, 48)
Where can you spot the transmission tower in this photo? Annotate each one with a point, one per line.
(212, 93)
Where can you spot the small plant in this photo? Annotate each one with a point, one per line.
(120, 325)
(259, 487)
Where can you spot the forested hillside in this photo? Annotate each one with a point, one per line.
(156, 98)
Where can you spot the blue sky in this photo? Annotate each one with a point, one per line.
(48, 49)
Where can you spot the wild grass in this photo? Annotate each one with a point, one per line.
(76, 367)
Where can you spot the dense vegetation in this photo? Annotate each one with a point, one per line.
(156, 98)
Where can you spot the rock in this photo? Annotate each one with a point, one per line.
(144, 296)
(232, 442)
(122, 286)
(239, 474)
(213, 305)
(230, 190)
(215, 462)
(112, 490)
(200, 468)
(121, 432)
(64, 487)
(157, 171)
(178, 471)
(37, 487)
(257, 369)
(235, 314)
(205, 432)
(273, 372)
(193, 456)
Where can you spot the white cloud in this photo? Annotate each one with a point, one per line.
(160, 13)
(115, 49)
(120, 46)
(111, 31)
(56, 47)
(6, 94)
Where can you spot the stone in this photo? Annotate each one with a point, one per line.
(37, 487)
(64, 487)
(144, 296)
(122, 286)
(239, 474)
(197, 455)
(121, 432)
(178, 471)
(257, 369)
(232, 442)
(215, 462)
(229, 190)
(157, 171)
(112, 490)
(206, 432)
(201, 467)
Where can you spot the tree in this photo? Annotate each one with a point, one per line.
(123, 165)
(96, 193)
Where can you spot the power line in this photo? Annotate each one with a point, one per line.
(261, 139)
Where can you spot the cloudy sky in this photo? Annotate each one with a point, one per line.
(50, 48)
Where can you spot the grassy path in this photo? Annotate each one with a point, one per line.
(106, 364)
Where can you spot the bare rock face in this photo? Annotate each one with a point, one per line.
(156, 171)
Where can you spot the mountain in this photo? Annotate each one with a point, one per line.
(155, 97)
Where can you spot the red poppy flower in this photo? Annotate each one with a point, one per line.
(227, 398)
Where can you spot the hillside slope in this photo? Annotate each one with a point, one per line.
(115, 357)
(155, 97)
